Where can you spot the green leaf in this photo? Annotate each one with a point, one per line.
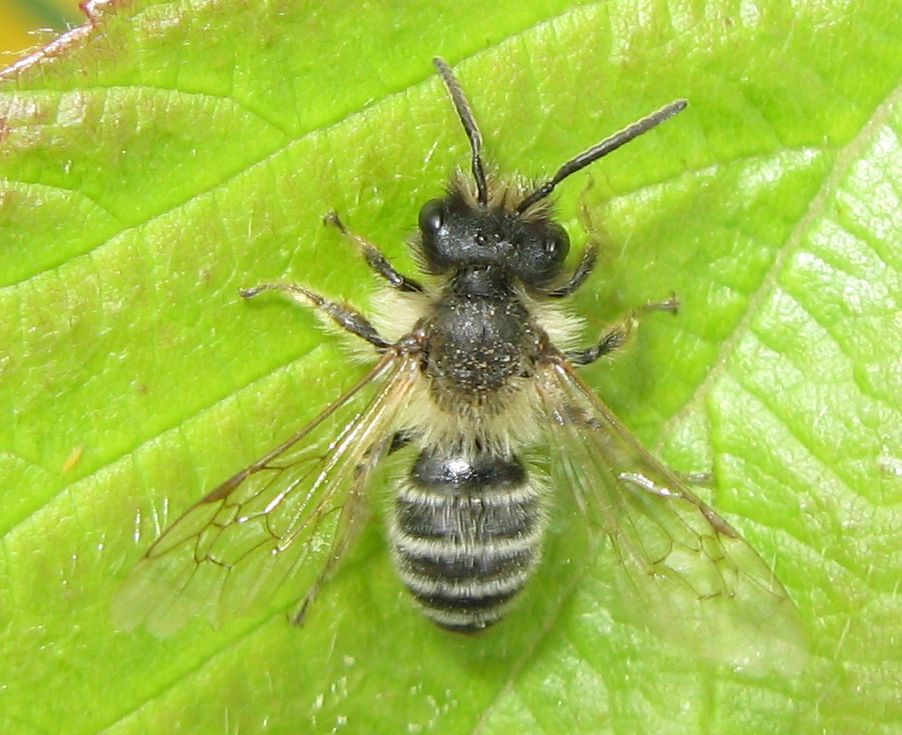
(159, 158)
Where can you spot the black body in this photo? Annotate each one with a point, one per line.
(468, 523)
(466, 534)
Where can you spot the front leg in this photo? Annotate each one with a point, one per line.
(345, 316)
(582, 271)
(374, 258)
(619, 332)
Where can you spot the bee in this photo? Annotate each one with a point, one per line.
(476, 365)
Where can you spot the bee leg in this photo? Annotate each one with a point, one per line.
(620, 332)
(400, 440)
(342, 314)
(703, 478)
(582, 271)
(589, 257)
(374, 258)
(354, 515)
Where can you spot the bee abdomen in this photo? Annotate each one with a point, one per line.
(467, 535)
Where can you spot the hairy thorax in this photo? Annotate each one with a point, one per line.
(477, 347)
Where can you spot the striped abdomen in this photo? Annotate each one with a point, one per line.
(466, 535)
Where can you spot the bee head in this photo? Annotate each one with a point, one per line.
(456, 232)
(483, 228)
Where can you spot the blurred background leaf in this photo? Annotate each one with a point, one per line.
(28, 23)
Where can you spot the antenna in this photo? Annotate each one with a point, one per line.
(472, 130)
(602, 149)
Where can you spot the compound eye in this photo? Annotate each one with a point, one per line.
(557, 243)
(432, 216)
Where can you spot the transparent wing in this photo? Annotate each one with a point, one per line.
(678, 565)
(257, 529)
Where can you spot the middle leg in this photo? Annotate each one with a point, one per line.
(619, 332)
(342, 314)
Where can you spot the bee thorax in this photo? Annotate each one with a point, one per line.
(466, 535)
(479, 344)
